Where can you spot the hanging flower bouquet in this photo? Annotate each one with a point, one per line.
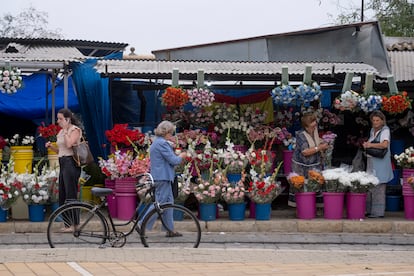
(308, 93)
(370, 102)
(10, 80)
(49, 132)
(284, 95)
(348, 100)
(396, 103)
(200, 97)
(174, 97)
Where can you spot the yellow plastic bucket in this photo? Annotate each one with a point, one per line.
(23, 158)
(53, 157)
(86, 194)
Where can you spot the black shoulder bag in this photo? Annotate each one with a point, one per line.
(375, 152)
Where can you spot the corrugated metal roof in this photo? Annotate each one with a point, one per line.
(64, 42)
(401, 46)
(19, 52)
(302, 32)
(402, 63)
(87, 48)
(222, 70)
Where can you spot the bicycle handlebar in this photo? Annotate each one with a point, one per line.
(145, 179)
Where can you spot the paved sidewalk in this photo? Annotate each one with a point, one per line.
(128, 261)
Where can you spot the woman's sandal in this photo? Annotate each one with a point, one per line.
(171, 234)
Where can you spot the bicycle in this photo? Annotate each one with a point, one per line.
(89, 224)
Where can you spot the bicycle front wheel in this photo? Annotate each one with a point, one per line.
(76, 225)
(157, 227)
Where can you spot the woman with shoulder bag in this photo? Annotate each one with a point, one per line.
(69, 172)
(380, 138)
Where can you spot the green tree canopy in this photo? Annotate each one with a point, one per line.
(396, 17)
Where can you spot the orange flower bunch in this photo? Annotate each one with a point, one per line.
(397, 103)
(316, 176)
(174, 97)
(297, 181)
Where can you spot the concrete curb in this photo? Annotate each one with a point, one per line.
(380, 226)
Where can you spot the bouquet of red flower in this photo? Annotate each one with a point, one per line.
(396, 103)
(120, 136)
(3, 142)
(49, 132)
(174, 97)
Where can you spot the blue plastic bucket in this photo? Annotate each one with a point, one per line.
(392, 203)
(36, 212)
(396, 179)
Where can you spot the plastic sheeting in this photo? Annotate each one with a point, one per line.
(29, 102)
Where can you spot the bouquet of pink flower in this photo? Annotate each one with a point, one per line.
(233, 193)
(141, 164)
(200, 97)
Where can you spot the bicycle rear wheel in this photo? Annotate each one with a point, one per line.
(76, 225)
(154, 234)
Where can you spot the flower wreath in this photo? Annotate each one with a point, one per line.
(10, 80)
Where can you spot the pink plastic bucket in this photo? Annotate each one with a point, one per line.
(125, 185)
(355, 205)
(333, 205)
(306, 205)
(409, 207)
(126, 204)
